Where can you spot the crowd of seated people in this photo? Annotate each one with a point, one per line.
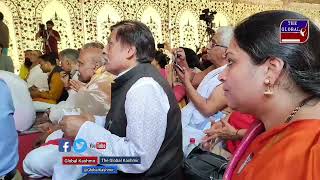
(257, 98)
(90, 97)
(69, 63)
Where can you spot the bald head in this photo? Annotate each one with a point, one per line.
(89, 61)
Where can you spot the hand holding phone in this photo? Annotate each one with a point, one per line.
(179, 55)
(179, 67)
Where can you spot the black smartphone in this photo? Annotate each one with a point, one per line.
(178, 66)
(160, 45)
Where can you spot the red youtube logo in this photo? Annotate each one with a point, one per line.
(101, 145)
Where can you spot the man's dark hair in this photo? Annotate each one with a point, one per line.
(50, 22)
(1, 16)
(27, 63)
(137, 34)
(162, 59)
(258, 35)
(49, 58)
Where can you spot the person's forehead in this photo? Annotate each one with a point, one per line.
(89, 53)
(113, 35)
(63, 59)
(233, 48)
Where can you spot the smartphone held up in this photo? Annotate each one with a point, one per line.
(178, 66)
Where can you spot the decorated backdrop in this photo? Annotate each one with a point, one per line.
(174, 21)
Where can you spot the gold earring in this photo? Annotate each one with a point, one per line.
(268, 91)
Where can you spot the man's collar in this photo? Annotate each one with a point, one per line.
(122, 73)
(125, 71)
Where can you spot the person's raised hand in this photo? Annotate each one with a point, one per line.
(180, 57)
(77, 85)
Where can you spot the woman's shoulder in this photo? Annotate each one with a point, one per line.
(304, 131)
(303, 124)
(301, 134)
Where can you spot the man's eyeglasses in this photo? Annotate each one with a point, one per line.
(217, 45)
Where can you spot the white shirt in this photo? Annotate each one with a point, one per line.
(38, 78)
(24, 114)
(146, 109)
(193, 122)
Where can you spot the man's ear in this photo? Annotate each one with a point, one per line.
(130, 52)
(274, 67)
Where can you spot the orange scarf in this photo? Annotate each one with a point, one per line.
(290, 151)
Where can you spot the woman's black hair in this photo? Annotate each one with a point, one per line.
(259, 36)
(192, 58)
(162, 59)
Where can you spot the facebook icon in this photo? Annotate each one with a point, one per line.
(64, 145)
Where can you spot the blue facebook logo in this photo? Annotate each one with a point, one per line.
(64, 145)
(80, 146)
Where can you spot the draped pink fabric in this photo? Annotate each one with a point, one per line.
(256, 129)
